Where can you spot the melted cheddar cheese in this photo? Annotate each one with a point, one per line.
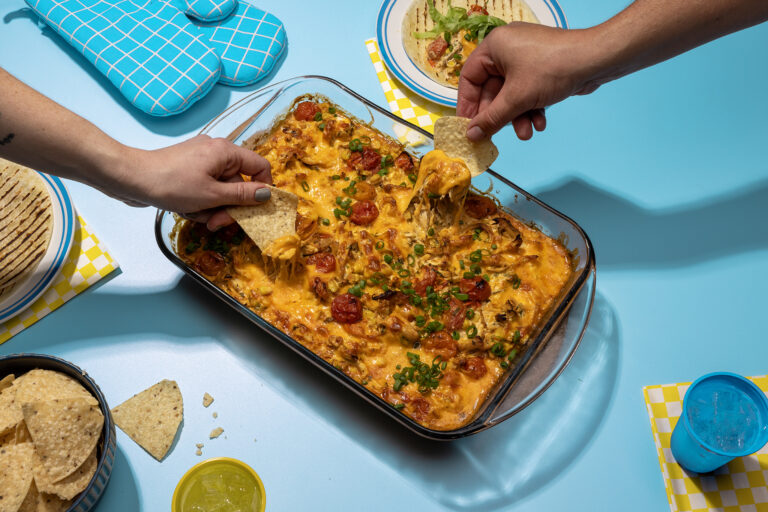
(403, 279)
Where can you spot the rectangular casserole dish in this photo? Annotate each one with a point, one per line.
(546, 354)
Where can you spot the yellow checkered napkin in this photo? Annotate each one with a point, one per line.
(739, 486)
(403, 103)
(88, 262)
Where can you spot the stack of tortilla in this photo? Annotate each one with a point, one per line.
(50, 427)
(26, 223)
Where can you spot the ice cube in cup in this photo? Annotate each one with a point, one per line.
(724, 416)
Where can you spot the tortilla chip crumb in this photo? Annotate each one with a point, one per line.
(215, 415)
(216, 433)
(198, 452)
(199, 445)
(207, 400)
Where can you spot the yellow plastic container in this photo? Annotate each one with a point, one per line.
(222, 480)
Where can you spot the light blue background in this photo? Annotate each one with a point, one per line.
(666, 170)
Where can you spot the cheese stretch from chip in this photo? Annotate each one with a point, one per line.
(406, 279)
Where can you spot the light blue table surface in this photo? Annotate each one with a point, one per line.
(665, 170)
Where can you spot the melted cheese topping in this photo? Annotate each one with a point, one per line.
(284, 248)
(463, 285)
(439, 174)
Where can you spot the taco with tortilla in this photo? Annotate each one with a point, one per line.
(439, 35)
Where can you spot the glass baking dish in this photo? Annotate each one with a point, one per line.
(547, 353)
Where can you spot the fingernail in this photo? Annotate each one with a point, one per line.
(262, 195)
(475, 133)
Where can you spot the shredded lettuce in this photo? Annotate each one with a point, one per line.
(456, 19)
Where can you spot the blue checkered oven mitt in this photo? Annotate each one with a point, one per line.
(156, 57)
(249, 42)
(149, 50)
(209, 10)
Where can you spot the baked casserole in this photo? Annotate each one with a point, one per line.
(407, 280)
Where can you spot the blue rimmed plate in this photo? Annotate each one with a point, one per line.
(33, 286)
(389, 32)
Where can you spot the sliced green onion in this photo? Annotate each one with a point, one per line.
(304, 186)
(379, 245)
(318, 116)
(498, 349)
(471, 331)
(418, 249)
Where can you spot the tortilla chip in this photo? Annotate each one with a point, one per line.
(52, 503)
(69, 487)
(15, 475)
(267, 222)
(207, 400)
(216, 433)
(30, 503)
(450, 136)
(64, 432)
(10, 410)
(43, 385)
(8, 439)
(152, 417)
(7, 381)
(22, 433)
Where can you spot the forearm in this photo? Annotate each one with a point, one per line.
(651, 31)
(38, 132)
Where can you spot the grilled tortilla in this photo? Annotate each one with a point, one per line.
(440, 58)
(26, 223)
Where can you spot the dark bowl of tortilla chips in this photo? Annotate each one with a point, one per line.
(87, 494)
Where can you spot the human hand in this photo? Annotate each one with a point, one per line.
(518, 70)
(195, 178)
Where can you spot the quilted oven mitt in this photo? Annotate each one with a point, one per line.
(209, 10)
(147, 48)
(249, 42)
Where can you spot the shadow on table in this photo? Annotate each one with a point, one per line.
(487, 471)
(192, 120)
(626, 235)
(122, 491)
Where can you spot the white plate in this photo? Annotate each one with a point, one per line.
(389, 31)
(33, 286)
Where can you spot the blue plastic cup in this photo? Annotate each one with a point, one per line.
(724, 416)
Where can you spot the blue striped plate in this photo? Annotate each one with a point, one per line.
(390, 36)
(64, 221)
